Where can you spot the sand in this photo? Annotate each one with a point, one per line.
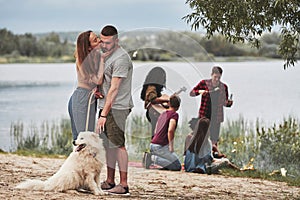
(143, 184)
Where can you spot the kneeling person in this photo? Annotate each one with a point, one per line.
(162, 145)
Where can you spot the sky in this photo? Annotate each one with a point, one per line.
(39, 16)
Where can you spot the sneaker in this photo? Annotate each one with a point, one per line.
(148, 160)
(107, 186)
(208, 169)
(144, 160)
(199, 171)
(119, 190)
(217, 155)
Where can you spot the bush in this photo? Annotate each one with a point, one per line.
(268, 149)
(280, 146)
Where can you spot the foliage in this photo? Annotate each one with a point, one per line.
(218, 46)
(245, 21)
(266, 149)
(292, 181)
(281, 145)
(238, 141)
(141, 45)
(30, 46)
(55, 139)
(138, 137)
(8, 42)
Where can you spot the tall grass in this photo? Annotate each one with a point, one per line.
(138, 134)
(267, 149)
(50, 138)
(244, 143)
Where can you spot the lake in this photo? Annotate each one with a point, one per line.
(33, 93)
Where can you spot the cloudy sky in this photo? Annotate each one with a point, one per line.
(38, 16)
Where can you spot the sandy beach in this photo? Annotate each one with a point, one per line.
(143, 184)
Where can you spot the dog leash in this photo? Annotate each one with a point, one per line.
(88, 111)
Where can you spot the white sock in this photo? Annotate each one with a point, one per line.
(153, 158)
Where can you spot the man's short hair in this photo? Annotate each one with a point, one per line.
(110, 30)
(216, 70)
(175, 101)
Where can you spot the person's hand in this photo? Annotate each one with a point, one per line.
(97, 93)
(100, 125)
(106, 54)
(202, 92)
(229, 103)
(171, 148)
(165, 97)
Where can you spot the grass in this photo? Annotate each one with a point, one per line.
(290, 180)
(49, 139)
(249, 145)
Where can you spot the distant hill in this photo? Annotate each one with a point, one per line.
(69, 36)
(72, 35)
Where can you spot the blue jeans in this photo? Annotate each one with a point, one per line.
(165, 158)
(193, 162)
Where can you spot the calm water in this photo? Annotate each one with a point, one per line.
(33, 93)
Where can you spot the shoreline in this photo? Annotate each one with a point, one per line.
(71, 59)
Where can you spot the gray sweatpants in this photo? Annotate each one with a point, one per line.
(78, 107)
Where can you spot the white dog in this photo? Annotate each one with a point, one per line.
(80, 170)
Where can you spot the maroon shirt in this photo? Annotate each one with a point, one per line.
(162, 126)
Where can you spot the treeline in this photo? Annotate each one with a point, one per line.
(169, 45)
(142, 45)
(28, 45)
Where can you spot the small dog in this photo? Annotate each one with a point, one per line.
(81, 170)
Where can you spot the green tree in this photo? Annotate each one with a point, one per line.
(218, 46)
(8, 42)
(269, 45)
(27, 45)
(245, 21)
(53, 37)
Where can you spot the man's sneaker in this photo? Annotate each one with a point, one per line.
(119, 190)
(148, 160)
(107, 186)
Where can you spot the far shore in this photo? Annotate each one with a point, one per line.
(70, 59)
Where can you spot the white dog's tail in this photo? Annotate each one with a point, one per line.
(32, 185)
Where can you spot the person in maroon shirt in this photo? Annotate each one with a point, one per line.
(162, 145)
(214, 98)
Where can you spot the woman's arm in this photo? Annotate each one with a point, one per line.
(98, 78)
(163, 99)
(198, 89)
